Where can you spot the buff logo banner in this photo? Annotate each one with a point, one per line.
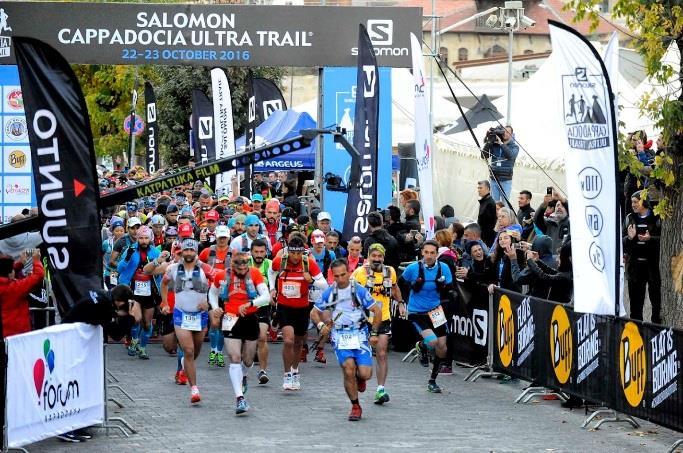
(152, 160)
(584, 355)
(362, 199)
(589, 119)
(211, 35)
(63, 161)
(203, 128)
(223, 125)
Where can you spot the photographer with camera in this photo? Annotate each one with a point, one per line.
(500, 151)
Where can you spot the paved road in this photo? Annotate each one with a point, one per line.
(477, 416)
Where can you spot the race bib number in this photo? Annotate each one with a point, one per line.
(192, 321)
(437, 317)
(229, 321)
(291, 290)
(348, 340)
(143, 288)
(113, 279)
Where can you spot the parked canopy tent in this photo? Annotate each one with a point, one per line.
(281, 125)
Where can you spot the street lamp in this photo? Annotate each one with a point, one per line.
(510, 18)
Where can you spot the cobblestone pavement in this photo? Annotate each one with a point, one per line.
(478, 416)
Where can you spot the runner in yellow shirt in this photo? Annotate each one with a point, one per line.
(381, 282)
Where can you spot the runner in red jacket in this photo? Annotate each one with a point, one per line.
(14, 293)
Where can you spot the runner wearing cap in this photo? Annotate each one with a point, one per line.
(207, 235)
(290, 279)
(126, 241)
(158, 223)
(223, 201)
(380, 281)
(348, 301)
(236, 225)
(170, 237)
(145, 288)
(241, 290)
(190, 279)
(110, 275)
(218, 257)
(257, 203)
(322, 255)
(324, 224)
(274, 225)
(242, 243)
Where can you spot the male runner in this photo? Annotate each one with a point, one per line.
(190, 279)
(242, 243)
(242, 291)
(259, 249)
(348, 301)
(427, 279)
(291, 276)
(380, 281)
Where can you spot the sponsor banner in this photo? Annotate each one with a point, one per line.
(16, 189)
(63, 160)
(55, 382)
(14, 129)
(423, 137)
(210, 35)
(203, 128)
(152, 157)
(12, 99)
(16, 159)
(591, 145)
(339, 100)
(469, 324)
(223, 125)
(362, 190)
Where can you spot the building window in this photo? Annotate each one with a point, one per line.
(495, 51)
(462, 54)
(443, 55)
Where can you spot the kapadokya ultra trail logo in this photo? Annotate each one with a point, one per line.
(505, 331)
(561, 344)
(585, 110)
(55, 394)
(5, 41)
(632, 364)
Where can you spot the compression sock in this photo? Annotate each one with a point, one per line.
(245, 369)
(436, 368)
(145, 335)
(213, 339)
(235, 372)
(220, 341)
(181, 355)
(135, 333)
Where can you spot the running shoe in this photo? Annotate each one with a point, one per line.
(70, 437)
(362, 384)
(180, 377)
(220, 360)
(142, 354)
(381, 397)
(433, 387)
(320, 356)
(356, 413)
(446, 370)
(304, 353)
(133, 349)
(195, 397)
(262, 377)
(212, 358)
(423, 354)
(245, 386)
(242, 407)
(296, 381)
(287, 382)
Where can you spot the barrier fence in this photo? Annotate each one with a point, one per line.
(629, 366)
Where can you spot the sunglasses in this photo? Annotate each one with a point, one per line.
(240, 262)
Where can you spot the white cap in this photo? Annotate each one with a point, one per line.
(222, 231)
(134, 221)
(324, 215)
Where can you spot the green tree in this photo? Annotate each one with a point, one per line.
(108, 91)
(174, 101)
(657, 24)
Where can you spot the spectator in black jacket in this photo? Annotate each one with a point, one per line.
(394, 225)
(290, 199)
(541, 250)
(561, 281)
(381, 236)
(487, 212)
(525, 214)
(410, 238)
(552, 218)
(503, 252)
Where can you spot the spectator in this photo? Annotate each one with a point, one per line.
(405, 196)
(561, 281)
(448, 214)
(499, 205)
(556, 223)
(503, 252)
(472, 233)
(525, 214)
(323, 222)
(290, 200)
(411, 237)
(641, 246)
(501, 157)
(450, 259)
(394, 226)
(381, 236)
(14, 294)
(445, 253)
(507, 222)
(541, 250)
(479, 273)
(487, 212)
(457, 230)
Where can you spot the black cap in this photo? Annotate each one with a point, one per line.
(171, 209)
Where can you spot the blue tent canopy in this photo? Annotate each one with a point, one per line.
(281, 125)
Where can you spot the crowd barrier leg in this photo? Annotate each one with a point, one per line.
(486, 370)
(411, 356)
(613, 417)
(674, 446)
(107, 425)
(533, 392)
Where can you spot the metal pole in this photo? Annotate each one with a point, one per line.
(509, 114)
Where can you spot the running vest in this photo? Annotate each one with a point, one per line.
(198, 284)
(420, 281)
(249, 284)
(285, 256)
(212, 257)
(386, 280)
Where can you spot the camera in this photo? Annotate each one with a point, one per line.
(492, 133)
